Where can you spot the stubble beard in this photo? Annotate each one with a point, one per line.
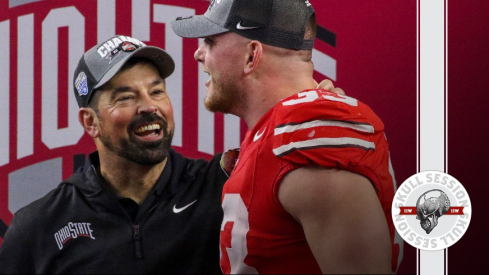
(224, 98)
(140, 152)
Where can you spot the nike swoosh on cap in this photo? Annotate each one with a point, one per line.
(178, 210)
(241, 27)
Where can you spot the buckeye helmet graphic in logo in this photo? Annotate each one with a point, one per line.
(431, 210)
(128, 46)
(122, 47)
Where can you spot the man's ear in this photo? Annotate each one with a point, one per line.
(89, 121)
(255, 50)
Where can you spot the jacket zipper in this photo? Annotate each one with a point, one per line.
(137, 241)
(135, 227)
(137, 235)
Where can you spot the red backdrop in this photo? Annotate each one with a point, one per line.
(367, 47)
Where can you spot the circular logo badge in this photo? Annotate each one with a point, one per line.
(431, 210)
(128, 46)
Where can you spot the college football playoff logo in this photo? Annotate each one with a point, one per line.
(431, 210)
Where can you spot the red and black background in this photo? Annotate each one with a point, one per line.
(373, 44)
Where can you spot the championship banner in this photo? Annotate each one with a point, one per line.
(368, 48)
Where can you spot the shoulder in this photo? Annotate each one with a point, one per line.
(41, 207)
(189, 165)
(312, 105)
(180, 162)
(317, 127)
(32, 219)
(318, 119)
(199, 168)
(30, 227)
(214, 170)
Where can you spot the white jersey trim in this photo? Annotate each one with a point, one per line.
(367, 128)
(322, 143)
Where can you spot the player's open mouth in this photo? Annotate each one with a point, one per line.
(149, 131)
(208, 82)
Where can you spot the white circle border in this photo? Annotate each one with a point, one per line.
(424, 241)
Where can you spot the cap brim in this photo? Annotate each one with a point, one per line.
(160, 58)
(196, 26)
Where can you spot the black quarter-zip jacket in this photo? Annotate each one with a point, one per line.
(81, 227)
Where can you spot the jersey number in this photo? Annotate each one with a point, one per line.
(310, 96)
(236, 217)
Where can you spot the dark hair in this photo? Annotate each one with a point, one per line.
(93, 101)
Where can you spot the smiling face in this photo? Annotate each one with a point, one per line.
(134, 116)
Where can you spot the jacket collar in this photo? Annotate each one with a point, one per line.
(89, 181)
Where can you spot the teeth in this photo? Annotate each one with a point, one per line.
(150, 127)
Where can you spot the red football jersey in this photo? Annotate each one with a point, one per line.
(312, 127)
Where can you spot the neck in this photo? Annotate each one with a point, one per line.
(128, 179)
(274, 74)
(265, 90)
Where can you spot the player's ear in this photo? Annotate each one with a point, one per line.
(89, 121)
(254, 52)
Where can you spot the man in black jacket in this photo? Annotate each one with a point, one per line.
(136, 206)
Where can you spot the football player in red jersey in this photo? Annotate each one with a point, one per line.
(312, 187)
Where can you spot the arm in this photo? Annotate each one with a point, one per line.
(342, 219)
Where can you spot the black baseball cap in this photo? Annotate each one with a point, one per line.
(99, 64)
(279, 23)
